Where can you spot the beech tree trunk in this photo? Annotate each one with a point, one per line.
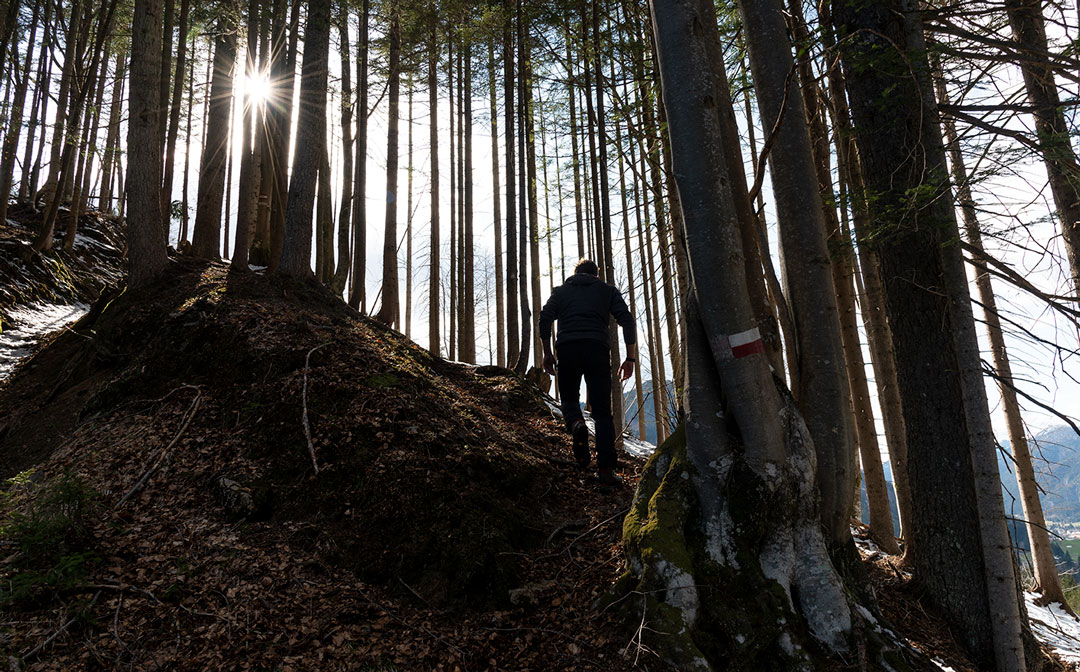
(723, 538)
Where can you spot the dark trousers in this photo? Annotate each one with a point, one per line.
(591, 359)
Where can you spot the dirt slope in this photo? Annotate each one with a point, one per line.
(441, 489)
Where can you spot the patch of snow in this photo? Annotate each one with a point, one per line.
(637, 447)
(86, 241)
(633, 446)
(941, 664)
(1055, 627)
(29, 325)
(257, 269)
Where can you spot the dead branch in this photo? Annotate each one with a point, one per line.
(307, 426)
(61, 630)
(159, 458)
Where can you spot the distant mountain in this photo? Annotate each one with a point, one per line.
(1055, 454)
(631, 410)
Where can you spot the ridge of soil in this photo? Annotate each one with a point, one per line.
(441, 489)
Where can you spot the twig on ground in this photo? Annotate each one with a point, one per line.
(62, 629)
(307, 426)
(115, 626)
(567, 527)
(192, 409)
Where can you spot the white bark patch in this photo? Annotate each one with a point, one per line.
(822, 600)
(777, 558)
(681, 591)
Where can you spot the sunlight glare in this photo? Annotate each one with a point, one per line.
(257, 89)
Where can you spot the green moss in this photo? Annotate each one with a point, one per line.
(381, 381)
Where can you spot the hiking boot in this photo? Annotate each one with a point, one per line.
(608, 478)
(580, 432)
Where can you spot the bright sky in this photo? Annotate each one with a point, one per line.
(1018, 195)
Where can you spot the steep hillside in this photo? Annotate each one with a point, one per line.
(168, 509)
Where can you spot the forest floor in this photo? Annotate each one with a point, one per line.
(165, 510)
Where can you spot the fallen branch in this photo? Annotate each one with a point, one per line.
(192, 409)
(61, 630)
(307, 426)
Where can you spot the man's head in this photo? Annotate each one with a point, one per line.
(587, 266)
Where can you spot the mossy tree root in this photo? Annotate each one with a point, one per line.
(749, 586)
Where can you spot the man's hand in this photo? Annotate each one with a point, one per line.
(625, 371)
(549, 363)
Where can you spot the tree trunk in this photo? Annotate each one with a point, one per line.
(692, 555)
(956, 493)
(174, 114)
(434, 338)
(341, 273)
(1046, 575)
(146, 253)
(283, 73)
(310, 143)
(468, 294)
(500, 302)
(14, 120)
(28, 183)
(358, 295)
(206, 239)
(112, 135)
(878, 333)
(1055, 142)
(513, 343)
(521, 365)
(409, 214)
(248, 198)
(391, 310)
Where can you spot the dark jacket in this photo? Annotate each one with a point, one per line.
(582, 305)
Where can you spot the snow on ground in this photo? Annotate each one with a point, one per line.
(30, 324)
(1055, 627)
(633, 447)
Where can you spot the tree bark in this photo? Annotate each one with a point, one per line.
(391, 310)
(434, 338)
(248, 198)
(496, 201)
(146, 252)
(1046, 575)
(1029, 31)
(310, 143)
(173, 131)
(344, 261)
(956, 493)
(513, 342)
(358, 295)
(206, 239)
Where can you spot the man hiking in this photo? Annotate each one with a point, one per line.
(582, 305)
